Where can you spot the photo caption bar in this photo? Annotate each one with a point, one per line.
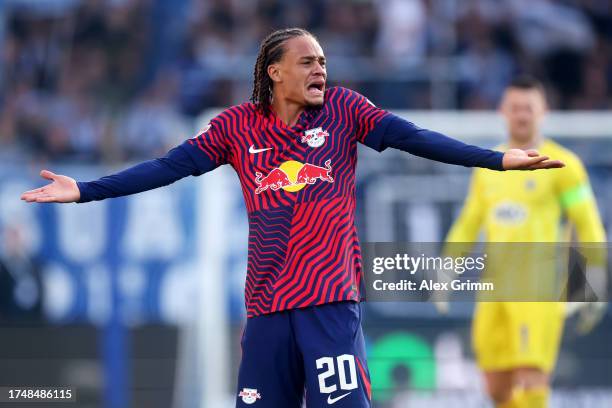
(492, 272)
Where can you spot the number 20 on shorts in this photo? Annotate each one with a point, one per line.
(347, 380)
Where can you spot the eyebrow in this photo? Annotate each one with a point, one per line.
(312, 57)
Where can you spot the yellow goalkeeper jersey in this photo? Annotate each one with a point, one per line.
(527, 207)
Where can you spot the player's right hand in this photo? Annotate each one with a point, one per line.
(62, 189)
(517, 159)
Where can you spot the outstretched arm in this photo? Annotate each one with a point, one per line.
(141, 177)
(403, 135)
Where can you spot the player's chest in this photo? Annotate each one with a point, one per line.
(313, 137)
(514, 198)
(530, 187)
(289, 159)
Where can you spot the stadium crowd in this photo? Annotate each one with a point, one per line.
(112, 80)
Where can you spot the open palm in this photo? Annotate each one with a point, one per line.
(62, 189)
(517, 159)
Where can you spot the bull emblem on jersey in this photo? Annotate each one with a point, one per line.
(274, 180)
(310, 173)
(292, 176)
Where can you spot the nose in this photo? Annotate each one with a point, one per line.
(319, 69)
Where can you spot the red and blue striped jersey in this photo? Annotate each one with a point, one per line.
(299, 188)
(298, 184)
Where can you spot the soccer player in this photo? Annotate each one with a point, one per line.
(516, 343)
(294, 149)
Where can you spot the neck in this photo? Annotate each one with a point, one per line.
(532, 143)
(288, 112)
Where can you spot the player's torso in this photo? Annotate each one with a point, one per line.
(521, 206)
(280, 165)
(299, 188)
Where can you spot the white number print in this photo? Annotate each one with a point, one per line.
(329, 362)
(346, 382)
(352, 383)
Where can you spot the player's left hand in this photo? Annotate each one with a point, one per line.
(517, 159)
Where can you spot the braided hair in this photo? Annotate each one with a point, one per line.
(271, 51)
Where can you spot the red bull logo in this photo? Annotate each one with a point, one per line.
(293, 176)
(275, 180)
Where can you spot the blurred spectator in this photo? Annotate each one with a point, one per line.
(81, 81)
(485, 70)
(402, 36)
(20, 278)
(153, 125)
(561, 36)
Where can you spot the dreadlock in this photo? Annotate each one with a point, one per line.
(271, 51)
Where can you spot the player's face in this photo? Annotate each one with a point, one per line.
(523, 110)
(300, 75)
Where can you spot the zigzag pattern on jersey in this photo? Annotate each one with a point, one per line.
(357, 261)
(303, 246)
(320, 267)
(268, 237)
(340, 113)
(215, 146)
(339, 148)
(275, 134)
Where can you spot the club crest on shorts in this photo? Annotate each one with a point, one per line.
(249, 395)
(315, 137)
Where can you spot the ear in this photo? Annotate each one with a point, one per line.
(275, 73)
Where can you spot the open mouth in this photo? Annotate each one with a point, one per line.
(316, 88)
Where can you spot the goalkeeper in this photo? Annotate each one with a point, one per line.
(516, 343)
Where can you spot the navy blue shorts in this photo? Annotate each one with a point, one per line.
(314, 355)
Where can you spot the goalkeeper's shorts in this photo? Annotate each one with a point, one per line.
(315, 354)
(508, 335)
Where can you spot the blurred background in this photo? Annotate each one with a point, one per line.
(138, 301)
